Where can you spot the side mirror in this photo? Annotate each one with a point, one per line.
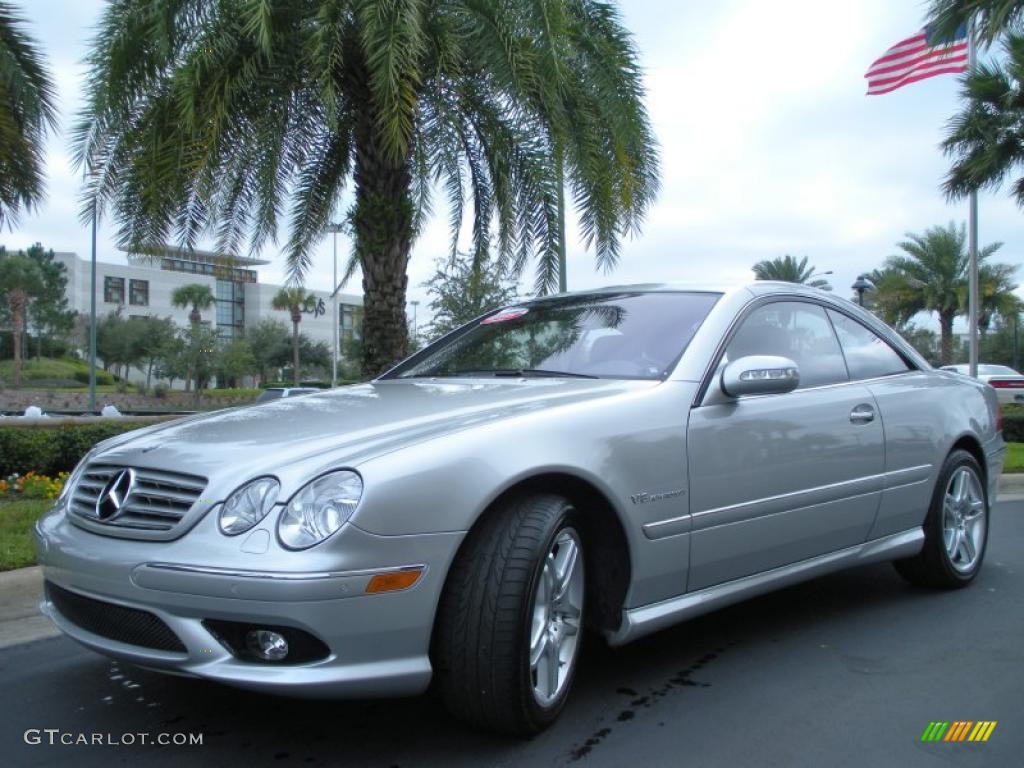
(760, 375)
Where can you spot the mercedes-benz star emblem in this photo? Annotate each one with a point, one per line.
(114, 494)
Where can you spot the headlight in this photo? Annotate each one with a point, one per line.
(319, 509)
(247, 505)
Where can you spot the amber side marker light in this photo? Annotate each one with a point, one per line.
(392, 581)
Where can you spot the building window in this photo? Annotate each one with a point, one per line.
(113, 290)
(351, 323)
(138, 293)
(230, 308)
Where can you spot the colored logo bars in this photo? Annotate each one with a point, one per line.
(959, 730)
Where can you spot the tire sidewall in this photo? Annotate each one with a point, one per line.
(538, 713)
(955, 461)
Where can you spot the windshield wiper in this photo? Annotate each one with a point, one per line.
(520, 373)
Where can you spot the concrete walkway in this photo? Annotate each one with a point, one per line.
(20, 620)
(22, 589)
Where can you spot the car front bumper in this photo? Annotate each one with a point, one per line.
(377, 644)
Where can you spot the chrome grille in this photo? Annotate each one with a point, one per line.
(158, 499)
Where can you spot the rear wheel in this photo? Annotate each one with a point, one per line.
(509, 623)
(956, 529)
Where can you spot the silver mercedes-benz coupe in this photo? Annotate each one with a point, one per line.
(620, 459)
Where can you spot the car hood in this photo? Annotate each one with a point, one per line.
(343, 426)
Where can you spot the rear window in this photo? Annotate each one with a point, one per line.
(627, 336)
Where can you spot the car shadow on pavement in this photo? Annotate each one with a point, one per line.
(614, 687)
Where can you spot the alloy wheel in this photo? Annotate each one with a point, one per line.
(556, 612)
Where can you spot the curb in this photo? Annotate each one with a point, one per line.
(1011, 487)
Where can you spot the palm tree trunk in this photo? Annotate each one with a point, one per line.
(17, 312)
(383, 227)
(946, 337)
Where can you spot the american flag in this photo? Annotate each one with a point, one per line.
(916, 58)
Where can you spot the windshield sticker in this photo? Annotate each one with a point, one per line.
(505, 315)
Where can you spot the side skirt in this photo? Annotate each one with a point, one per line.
(638, 622)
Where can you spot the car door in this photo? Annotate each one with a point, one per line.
(775, 479)
(910, 404)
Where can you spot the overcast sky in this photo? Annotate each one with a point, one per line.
(768, 145)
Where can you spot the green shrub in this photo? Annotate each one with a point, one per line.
(51, 448)
(102, 377)
(1013, 423)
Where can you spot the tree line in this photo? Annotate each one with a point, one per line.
(929, 276)
(217, 118)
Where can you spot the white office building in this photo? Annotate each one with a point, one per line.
(145, 285)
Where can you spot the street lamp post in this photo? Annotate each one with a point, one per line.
(334, 229)
(415, 326)
(860, 285)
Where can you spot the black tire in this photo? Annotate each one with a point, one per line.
(482, 633)
(933, 566)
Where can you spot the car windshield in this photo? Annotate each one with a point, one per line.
(269, 394)
(626, 336)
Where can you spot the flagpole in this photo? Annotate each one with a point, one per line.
(972, 238)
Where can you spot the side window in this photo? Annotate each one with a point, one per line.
(795, 330)
(867, 356)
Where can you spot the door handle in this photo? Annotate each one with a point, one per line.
(862, 414)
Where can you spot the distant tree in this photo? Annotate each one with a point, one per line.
(20, 279)
(464, 288)
(27, 113)
(789, 270)
(996, 294)
(48, 309)
(199, 297)
(118, 342)
(925, 341)
(153, 337)
(270, 346)
(195, 295)
(293, 300)
(931, 276)
(234, 360)
(195, 359)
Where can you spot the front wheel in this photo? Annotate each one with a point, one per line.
(955, 530)
(510, 620)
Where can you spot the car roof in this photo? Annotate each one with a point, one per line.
(756, 287)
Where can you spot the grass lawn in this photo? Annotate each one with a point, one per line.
(16, 520)
(1014, 458)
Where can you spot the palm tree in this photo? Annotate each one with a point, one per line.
(931, 276)
(225, 115)
(789, 270)
(195, 295)
(20, 277)
(293, 300)
(27, 114)
(199, 297)
(996, 295)
(986, 138)
(991, 17)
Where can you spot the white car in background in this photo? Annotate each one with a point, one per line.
(1008, 383)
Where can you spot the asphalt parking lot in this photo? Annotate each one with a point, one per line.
(847, 670)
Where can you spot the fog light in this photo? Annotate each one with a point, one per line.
(264, 644)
